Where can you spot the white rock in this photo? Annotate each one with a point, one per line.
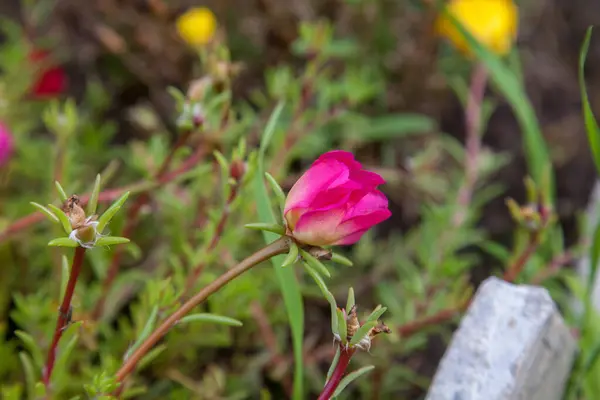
(511, 344)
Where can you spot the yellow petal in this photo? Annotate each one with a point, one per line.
(493, 22)
(197, 26)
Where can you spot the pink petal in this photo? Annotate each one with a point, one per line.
(367, 179)
(351, 230)
(318, 228)
(372, 201)
(342, 156)
(320, 176)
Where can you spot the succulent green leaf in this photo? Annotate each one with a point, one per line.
(259, 226)
(29, 375)
(148, 326)
(110, 213)
(352, 376)
(277, 190)
(376, 314)
(93, 202)
(342, 326)
(61, 192)
(340, 259)
(62, 217)
(111, 240)
(64, 276)
(45, 211)
(292, 256)
(314, 263)
(327, 294)
(334, 362)
(362, 332)
(32, 347)
(63, 242)
(351, 301)
(214, 318)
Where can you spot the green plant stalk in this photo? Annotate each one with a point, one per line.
(338, 373)
(279, 246)
(64, 313)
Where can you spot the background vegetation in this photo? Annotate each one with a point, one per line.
(180, 127)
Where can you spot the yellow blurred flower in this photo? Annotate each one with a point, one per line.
(197, 26)
(493, 22)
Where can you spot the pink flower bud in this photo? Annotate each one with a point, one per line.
(52, 79)
(6, 144)
(335, 202)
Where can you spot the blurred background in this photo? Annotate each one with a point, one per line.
(112, 86)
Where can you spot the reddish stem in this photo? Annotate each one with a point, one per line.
(338, 373)
(130, 224)
(473, 140)
(64, 313)
(513, 272)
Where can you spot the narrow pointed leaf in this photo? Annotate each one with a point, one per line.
(351, 301)
(340, 259)
(314, 263)
(111, 240)
(66, 346)
(45, 211)
(292, 256)
(29, 375)
(93, 202)
(288, 283)
(352, 376)
(259, 226)
(376, 314)
(110, 213)
(61, 192)
(32, 347)
(63, 242)
(506, 81)
(327, 294)
(591, 125)
(362, 332)
(64, 277)
(214, 318)
(148, 327)
(151, 356)
(277, 190)
(62, 217)
(342, 326)
(334, 363)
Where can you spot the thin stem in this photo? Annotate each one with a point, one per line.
(64, 313)
(338, 373)
(280, 246)
(472, 142)
(220, 227)
(513, 272)
(130, 224)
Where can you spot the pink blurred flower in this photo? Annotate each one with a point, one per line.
(335, 202)
(6, 144)
(51, 80)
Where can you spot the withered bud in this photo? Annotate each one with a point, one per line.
(320, 253)
(237, 169)
(380, 328)
(198, 88)
(74, 212)
(352, 323)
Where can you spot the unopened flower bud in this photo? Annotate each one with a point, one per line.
(237, 170)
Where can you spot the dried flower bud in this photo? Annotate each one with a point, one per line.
(198, 88)
(74, 211)
(352, 323)
(381, 328)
